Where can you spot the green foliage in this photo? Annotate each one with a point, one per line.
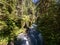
(14, 16)
(48, 23)
(10, 21)
(7, 20)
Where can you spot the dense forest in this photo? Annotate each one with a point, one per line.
(15, 15)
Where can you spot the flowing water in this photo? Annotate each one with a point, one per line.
(33, 37)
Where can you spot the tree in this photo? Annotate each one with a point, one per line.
(12, 14)
(25, 9)
(48, 23)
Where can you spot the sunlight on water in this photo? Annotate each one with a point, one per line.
(27, 43)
